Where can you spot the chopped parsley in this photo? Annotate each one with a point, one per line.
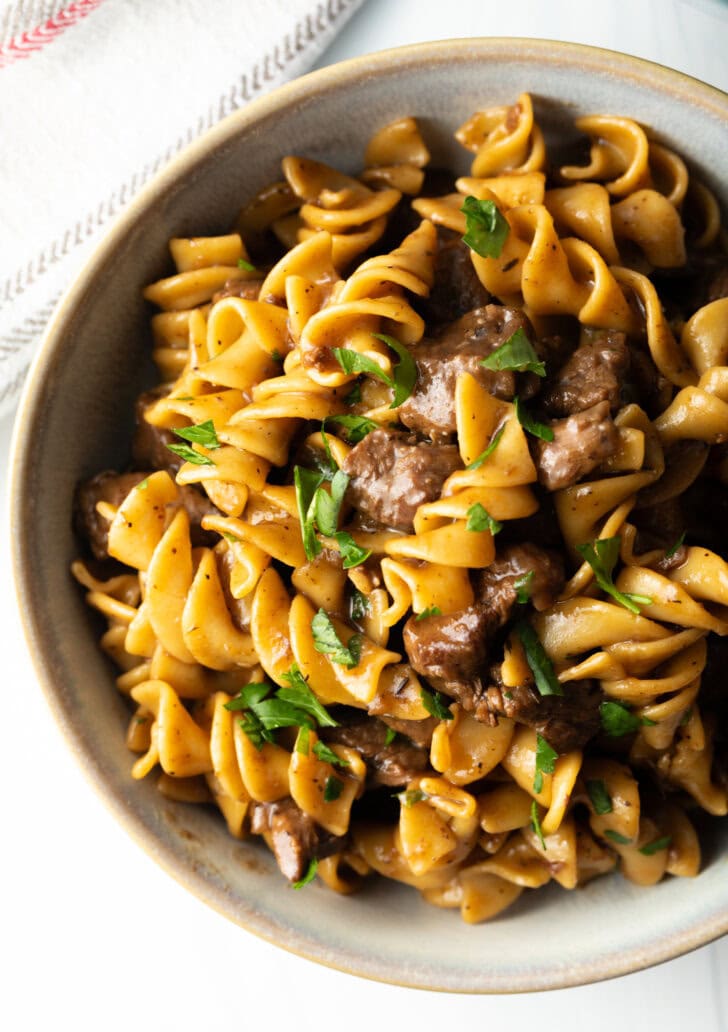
(522, 585)
(333, 788)
(232, 538)
(536, 824)
(602, 556)
(356, 427)
(615, 836)
(411, 797)
(546, 758)
(389, 736)
(190, 455)
(327, 641)
(673, 548)
(515, 353)
(531, 425)
(434, 704)
(617, 720)
(299, 694)
(307, 482)
(143, 485)
(202, 433)
(480, 519)
(359, 605)
(327, 506)
(323, 752)
(302, 740)
(308, 876)
(494, 442)
(432, 611)
(600, 797)
(245, 264)
(405, 372)
(486, 230)
(295, 706)
(351, 554)
(541, 666)
(654, 847)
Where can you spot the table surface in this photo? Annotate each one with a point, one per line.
(94, 933)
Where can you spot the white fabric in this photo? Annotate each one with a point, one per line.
(95, 97)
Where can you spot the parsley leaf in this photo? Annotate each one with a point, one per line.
(405, 372)
(480, 519)
(302, 740)
(654, 847)
(673, 548)
(617, 720)
(602, 556)
(541, 666)
(328, 466)
(615, 836)
(190, 455)
(354, 395)
(356, 427)
(435, 705)
(432, 611)
(600, 797)
(389, 736)
(327, 506)
(143, 485)
(307, 483)
(546, 758)
(248, 266)
(522, 585)
(295, 706)
(494, 442)
(531, 425)
(332, 789)
(322, 751)
(308, 876)
(486, 230)
(355, 362)
(411, 797)
(248, 696)
(300, 694)
(515, 353)
(203, 433)
(351, 554)
(232, 538)
(536, 824)
(359, 605)
(327, 641)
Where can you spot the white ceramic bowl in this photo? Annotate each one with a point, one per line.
(76, 419)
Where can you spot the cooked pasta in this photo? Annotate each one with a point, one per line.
(419, 566)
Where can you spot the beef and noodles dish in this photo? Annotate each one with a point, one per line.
(418, 566)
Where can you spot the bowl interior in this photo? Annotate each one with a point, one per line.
(76, 420)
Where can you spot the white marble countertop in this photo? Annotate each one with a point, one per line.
(95, 936)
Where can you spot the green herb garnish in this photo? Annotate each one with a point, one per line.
(333, 788)
(203, 433)
(600, 797)
(654, 847)
(531, 425)
(516, 353)
(389, 736)
(411, 797)
(307, 482)
(143, 485)
(323, 752)
(355, 362)
(356, 427)
(602, 556)
(359, 605)
(232, 538)
(351, 554)
(302, 740)
(405, 372)
(486, 230)
(494, 442)
(434, 704)
(308, 876)
(522, 585)
(190, 455)
(432, 611)
(536, 824)
(673, 548)
(541, 666)
(299, 693)
(248, 266)
(327, 641)
(327, 506)
(617, 720)
(615, 836)
(479, 519)
(546, 758)
(295, 706)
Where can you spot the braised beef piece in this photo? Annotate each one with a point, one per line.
(581, 442)
(456, 289)
(113, 487)
(296, 839)
(451, 650)
(418, 731)
(392, 765)
(430, 409)
(392, 475)
(566, 721)
(593, 373)
(149, 445)
(246, 289)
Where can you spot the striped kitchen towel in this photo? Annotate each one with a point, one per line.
(95, 97)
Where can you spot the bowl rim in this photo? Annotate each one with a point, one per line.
(315, 83)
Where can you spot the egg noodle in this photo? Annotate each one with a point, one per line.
(420, 573)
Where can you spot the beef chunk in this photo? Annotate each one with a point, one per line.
(295, 837)
(592, 374)
(496, 584)
(391, 765)
(418, 731)
(149, 446)
(246, 289)
(566, 721)
(580, 444)
(430, 409)
(457, 289)
(453, 647)
(113, 487)
(392, 475)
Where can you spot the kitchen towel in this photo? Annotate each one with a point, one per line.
(95, 97)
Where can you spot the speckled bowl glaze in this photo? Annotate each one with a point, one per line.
(76, 419)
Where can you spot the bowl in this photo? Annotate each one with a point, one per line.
(75, 418)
